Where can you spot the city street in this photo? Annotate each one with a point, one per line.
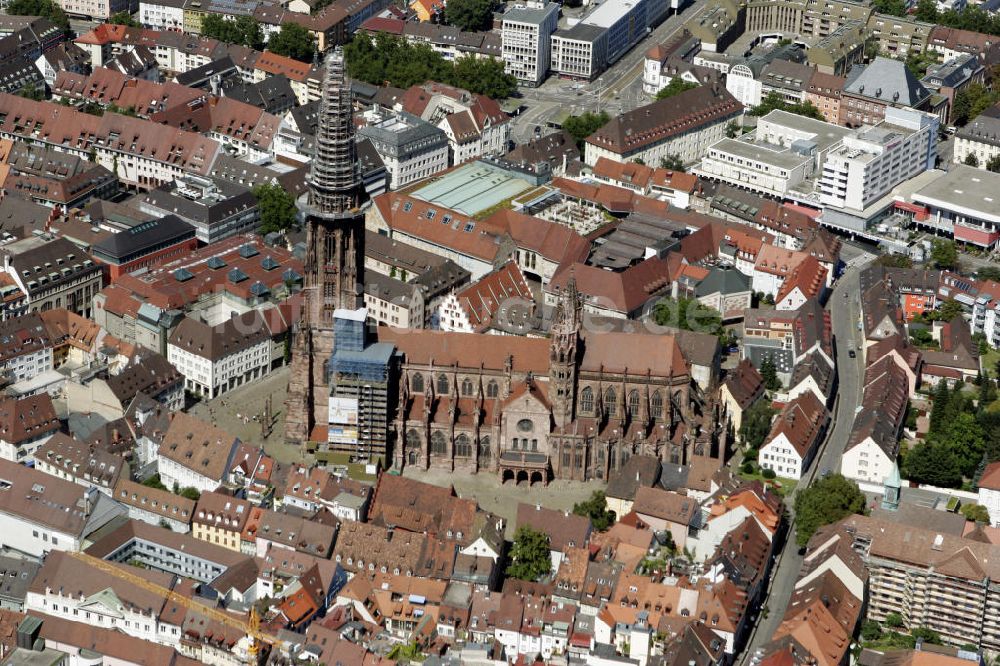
(845, 315)
(617, 90)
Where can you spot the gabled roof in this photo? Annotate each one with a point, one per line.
(494, 292)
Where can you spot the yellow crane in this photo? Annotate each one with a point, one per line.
(251, 628)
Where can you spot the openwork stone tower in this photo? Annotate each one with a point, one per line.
(334, 262)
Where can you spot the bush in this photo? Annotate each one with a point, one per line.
(747, 468)
(768, 473)
(871, 631)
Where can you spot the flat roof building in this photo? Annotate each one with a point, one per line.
(965, 202)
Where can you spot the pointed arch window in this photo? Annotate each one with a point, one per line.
(633, 404)
(656, 405)
(439, 446)
(492, 389)
(466, 387)
(611, 403)
(417, 383)
(587, 400)
(442, 384)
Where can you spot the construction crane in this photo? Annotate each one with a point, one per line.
(251, 628)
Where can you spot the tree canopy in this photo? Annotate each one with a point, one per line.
(44, 8)
(824, 502)
(756, 423)
(529, 556)
(774, 101)
(393, 60)
(687, 314)
(944, 253)
(971, 101)
(277, 208)
(676, 86)
(976, 512)
(596, 508)
(959, 439)
(470, 15)
(582, 126)
(293, 41)
(770, 374)
(971, 160)
(243, 30)
(124, 18)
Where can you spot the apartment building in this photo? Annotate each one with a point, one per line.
(158, 549)
(68, 458)
(979, 138)
(26, 423)
(940, 581)
(220, 519)
(526, 40)
(795, 436)
(155, 507)
(97, 10)
(25, 347)
(140, 152)
(411, 148)
(165, 15)
(216, 359)
(951, 77)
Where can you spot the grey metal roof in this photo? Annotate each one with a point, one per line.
(887, 80)
(145, 235)
(724, 281)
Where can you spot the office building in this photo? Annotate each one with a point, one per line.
(526, 41)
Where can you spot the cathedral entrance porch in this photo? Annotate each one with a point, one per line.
(524, 467)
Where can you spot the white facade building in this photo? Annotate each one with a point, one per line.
(526, 41)
(215, 359)
(411, 148)
(167, 15)
(870, 162)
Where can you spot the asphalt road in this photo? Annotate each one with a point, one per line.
(617, 90)
(845, 315)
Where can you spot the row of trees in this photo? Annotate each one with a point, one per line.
(44, 8)
(387, 59)
(773, 101)
(243, 30)
(292, 40)
(963, 437)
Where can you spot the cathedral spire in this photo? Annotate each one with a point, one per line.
(334, 178)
